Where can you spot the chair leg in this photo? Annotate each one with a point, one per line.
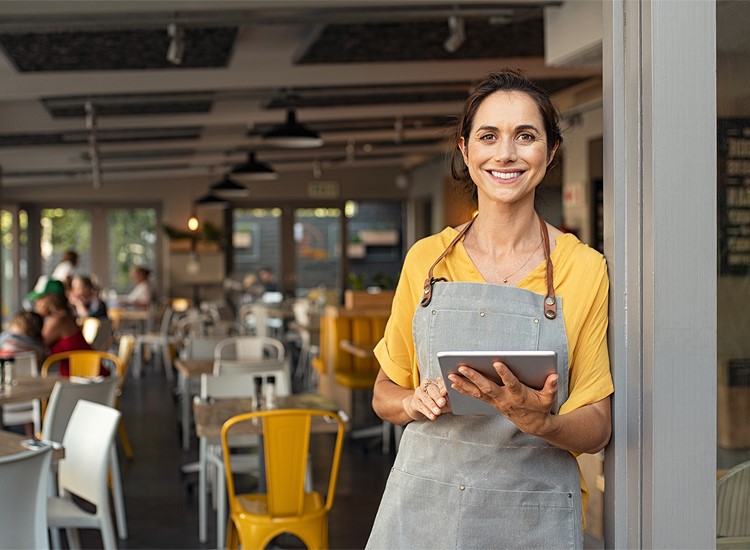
(54, 535)
(119, 500)
(74, 541)
(108, 532)
(125, 441)
(166, 360)
(202, 491)
(221, 507)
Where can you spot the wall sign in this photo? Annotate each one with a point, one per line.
(734, 195)
(323, 189)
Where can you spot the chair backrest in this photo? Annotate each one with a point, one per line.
(201, 348)
(733, 502)
(286, 442)
(65, 395)
(249, 347)
(90, 328)
(23, 502)
(25, 364)
(87, 442)
(104, 335)
(125, 353)
(226, 386)
(84, 363)
(234, 384)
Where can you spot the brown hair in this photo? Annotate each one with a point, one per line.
(507, 80)
(29, 322)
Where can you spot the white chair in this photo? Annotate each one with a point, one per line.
(218, 387)
(237, 349)
(28, 412)
(733, 508)
(62, 402)
(23, 500)
(88, 443)
(161, 340)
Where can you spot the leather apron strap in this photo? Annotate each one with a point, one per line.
(550, 302)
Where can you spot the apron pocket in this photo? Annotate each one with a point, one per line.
(517, 519)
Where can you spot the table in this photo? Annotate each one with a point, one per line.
(192, 369)
(11, 443)
(210, 417)
(25, 388)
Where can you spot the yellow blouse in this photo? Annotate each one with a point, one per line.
(580, 278)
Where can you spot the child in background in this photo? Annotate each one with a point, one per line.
(24, 333)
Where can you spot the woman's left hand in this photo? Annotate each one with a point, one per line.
(527, 408)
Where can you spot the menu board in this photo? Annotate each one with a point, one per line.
(734, 195)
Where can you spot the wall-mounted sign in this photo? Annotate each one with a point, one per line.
(323, 189)
(734, 195)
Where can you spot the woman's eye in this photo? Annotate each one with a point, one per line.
(486, 137)
(526, 137)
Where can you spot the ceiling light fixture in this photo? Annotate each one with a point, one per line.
(457, 33)
(227, 187)
(252, 170)
(211, 201)
(176, 48)
(292, 134)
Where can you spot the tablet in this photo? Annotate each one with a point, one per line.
(530, 367)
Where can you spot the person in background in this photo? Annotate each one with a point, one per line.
(84, 298)
(24, 333)
(60, 331)
(504, 280)
(267, 278)
(66, 269)
(142, 294)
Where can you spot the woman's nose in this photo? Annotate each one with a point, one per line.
(505, 150)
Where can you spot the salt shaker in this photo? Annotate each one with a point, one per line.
(269, 391)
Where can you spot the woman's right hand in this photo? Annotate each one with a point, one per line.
(428, 400)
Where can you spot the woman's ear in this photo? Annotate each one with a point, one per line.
(464, 150)
(551, 154)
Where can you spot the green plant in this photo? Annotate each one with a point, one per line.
(356, 282)
(383, 281)
(208, 233)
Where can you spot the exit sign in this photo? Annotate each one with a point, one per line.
(323, 189)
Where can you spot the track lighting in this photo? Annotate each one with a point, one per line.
(457, 34)
(176, 48)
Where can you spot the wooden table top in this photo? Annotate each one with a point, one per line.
(211, 415)
(12, 443)
(26, 388)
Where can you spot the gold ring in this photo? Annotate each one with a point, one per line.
(427, 383)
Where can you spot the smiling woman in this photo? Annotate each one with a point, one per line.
(522, 458)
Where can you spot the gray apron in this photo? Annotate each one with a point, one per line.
(478, 481)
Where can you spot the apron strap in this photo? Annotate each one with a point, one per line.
(550, 302)
(430, 280)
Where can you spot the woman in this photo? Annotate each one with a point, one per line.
(506, 280)
(60, 331)
(142, 294)
(85, 299)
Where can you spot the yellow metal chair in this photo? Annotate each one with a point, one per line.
(83, 363)
(124, 353)
(256, 518)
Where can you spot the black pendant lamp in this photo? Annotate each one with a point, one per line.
(292, 134)
(227, 187)
(253, 170)
(211, 201)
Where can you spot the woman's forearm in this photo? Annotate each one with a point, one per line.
(388, 400)
(584, 430)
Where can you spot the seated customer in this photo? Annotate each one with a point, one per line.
(24, 333)
(60, 332)
(84, 298)
(142, 294)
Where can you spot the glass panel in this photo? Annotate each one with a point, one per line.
(6, 255)
(131, 241)
(317, 237)
(256, 241)
(373, 244)
(65, 229)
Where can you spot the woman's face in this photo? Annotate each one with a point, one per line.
(42, 307)
(507, 151)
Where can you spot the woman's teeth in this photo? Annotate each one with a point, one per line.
(505, 175)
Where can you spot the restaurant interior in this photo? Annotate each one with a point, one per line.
(269, 162)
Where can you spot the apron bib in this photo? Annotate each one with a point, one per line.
(478, 481)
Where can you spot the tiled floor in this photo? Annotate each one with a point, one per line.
(161, 503)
